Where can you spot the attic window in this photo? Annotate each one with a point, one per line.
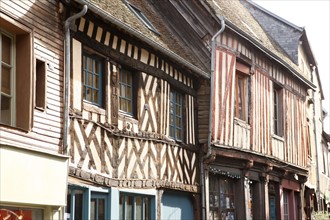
(142, 18)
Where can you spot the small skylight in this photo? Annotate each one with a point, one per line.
(142, 17)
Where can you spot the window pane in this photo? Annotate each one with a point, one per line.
(88, 94)
(90, 80)
(121, 207)
(89, 65)
(5, 80)
(5, 47)
(5, 114)
(138, 208)
(96, 81)
(129, 207)
(101, 209)
(93, 209)
(147, 205)
(95, 96)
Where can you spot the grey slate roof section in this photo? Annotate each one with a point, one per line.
(286, 34)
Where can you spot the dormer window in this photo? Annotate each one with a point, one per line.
(142, 17)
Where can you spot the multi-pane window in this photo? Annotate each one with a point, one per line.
(6, 78)
(242, 94)
(277, 110)
(92, 67)
(126, 91)
(286, 204)
(221, 198)
(176, 104)
(135, 206)
(79, 207)
(98, 207)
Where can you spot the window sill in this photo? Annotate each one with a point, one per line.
(279, 138)
(129, 123)
(241, 123)
(93, 108)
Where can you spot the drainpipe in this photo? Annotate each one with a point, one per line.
(316, 148)
(67, 58)
(209, 148)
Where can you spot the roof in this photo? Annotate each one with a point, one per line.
(119, 13)
(286, 34)
(239, 18)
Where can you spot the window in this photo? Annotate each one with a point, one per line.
(98, 207)
(6, 78)
(41, 72)
(135, 206)
(79, 207)
(15, 74)
(176, 104)
(142, 18)
(277, 109)
(92, 68)
(286, 204)
(126, 98)
(242, 94)
(222, 203)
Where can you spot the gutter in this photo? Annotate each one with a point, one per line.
(67, 65)
(140, 35)
(271, 55)
(208, 157)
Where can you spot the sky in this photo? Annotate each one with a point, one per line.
(314, 16)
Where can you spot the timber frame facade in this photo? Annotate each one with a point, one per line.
(132, 123)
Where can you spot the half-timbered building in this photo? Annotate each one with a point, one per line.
(33, 170)
(132, 116)
(254, 115)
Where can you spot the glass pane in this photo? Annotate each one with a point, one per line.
(147, 208)
(129, 207)
(5, 47)
(89, 64)
(101, 209)
(84, 63)
(96, 81)
(129, 90)
(88, 94)
(97, 67)
(178, 134)
(121, 202)
(93, 209)
(90, 80)
(178, 122)
(5, 80)
(138, 208)
(123, 105)
(122, 91)
(129, 78)
(129, 107)
(5, 114)
(78, 205)
(95, 96)
(178, 110)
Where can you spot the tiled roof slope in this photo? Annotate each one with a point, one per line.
(286, 34)
(235, 13)
(120, 11)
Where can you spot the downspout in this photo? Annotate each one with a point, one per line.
(67, 59)
(209, 148)
(316, 148)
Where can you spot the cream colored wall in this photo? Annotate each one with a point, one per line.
(31, 177)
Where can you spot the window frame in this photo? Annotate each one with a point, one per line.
(133, 94)
(122, 207)
(12, 66)
(218, 196)
(278, 129)
(173, 104)
(86, 53)
(242, 94)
